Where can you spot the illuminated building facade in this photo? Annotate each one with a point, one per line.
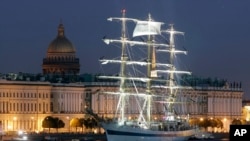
(246, 110)
(24, 104)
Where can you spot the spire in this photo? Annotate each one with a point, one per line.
(61, 29)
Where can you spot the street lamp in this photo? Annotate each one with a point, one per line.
(68, 123)
(14, 119)
(32, 124)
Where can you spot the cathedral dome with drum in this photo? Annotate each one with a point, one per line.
(61, 59)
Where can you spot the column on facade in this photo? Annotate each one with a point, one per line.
(224, 105)
(76, 102)
(70, 103)
(73, 101)
(220, 105)
(65, 100)
(102, 103)
(233, 105)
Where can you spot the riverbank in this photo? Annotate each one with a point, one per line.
(82, 137)
(56, 137)
(216, 137)
(221, 135)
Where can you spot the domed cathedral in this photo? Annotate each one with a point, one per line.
(61, 61)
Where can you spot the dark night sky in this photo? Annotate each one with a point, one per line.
(216, 32)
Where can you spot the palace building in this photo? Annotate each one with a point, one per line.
(26, 103)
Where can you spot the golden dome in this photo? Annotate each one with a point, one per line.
(61, 44)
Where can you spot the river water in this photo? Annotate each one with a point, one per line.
(86, 137)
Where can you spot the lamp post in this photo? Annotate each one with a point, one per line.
(68, 123)
(225, 125)
(14, 119)
(32, 124)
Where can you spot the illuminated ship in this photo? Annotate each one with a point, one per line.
(159, 85)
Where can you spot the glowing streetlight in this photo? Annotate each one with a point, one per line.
(32, 123)
(14, 119)
(68, 123)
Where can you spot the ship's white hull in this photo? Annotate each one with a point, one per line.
(129, 133)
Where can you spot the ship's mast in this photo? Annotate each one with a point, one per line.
(149, 69)
(123, 66)
(123, 61)
(149, 28)
(171, 80)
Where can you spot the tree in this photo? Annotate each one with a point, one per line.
(48, 122)
(86, 123)
(58, 123)
(204, 123)
(75, 122)
(193, 121)
(81, 120)
(236, 122)
(219, 123)
(243, 121)
(212, 123)
(90, 123)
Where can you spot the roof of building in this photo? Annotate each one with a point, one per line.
(61, 44)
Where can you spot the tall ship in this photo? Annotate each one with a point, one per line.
(147, 80)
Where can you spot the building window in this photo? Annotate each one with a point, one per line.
(43, 106)
(51, 107)
(10, 107)
(39, 107)
(17, 107)
(24, 106)
(21, 107)
(47, 107)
